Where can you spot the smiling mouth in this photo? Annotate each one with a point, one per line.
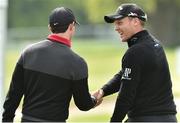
(120, 33)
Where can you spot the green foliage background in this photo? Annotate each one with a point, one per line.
(163, 16)
(103, 57)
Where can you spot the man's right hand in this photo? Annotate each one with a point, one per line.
(99, 96)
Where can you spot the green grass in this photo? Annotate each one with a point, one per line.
(102, 117)
(104, 60)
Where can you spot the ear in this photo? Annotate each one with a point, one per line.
(71, 26)
(136, 21)
(49, 27)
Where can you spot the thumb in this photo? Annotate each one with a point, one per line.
(100, 94)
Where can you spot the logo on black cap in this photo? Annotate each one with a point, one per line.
(60, 18)
(126, 10)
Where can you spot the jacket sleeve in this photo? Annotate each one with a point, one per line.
(81, 95)
(113, 85)
(130, 80)
(14, 95)
(82, 98)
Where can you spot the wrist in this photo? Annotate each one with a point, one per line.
(101, 92)
(94, 99)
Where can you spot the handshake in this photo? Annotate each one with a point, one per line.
(98, 97)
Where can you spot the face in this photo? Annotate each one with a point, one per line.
(125, 27)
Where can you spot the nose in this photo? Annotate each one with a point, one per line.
(116, 28)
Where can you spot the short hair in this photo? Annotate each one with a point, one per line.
(141, 22)
(59, 29)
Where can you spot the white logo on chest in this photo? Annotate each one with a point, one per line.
(127, 71)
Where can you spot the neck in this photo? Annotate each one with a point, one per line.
(137, 37)
(60, 38)
(138, 30)
(64, 35)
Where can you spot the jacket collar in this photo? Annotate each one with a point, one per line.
(57, 38)
(136, 37)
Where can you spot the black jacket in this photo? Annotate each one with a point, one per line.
(48, 74)
(144, 82)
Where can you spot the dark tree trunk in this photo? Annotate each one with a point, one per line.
(165, 22)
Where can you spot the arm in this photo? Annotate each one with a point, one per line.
(113, 85)
(14, 95)
(130, 80)
(83, 100)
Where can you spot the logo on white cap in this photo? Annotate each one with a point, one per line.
(132, 14)
(145, 16)
(55, 24)
(120, 8)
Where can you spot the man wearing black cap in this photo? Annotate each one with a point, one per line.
(143, 83)
(48, 74)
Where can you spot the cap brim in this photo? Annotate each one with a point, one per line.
(112, 18)
(76, 22)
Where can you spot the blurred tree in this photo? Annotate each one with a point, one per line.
(166, 21)
(24, 13)
(96, 9)
(162, 14)
(27, 13)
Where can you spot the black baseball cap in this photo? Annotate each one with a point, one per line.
(61, 17)
(126, 10)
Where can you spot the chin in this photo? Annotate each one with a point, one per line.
(123, 40)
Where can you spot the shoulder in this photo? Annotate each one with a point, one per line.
(31, 48)
(77, 65)
(134, 50)
(78, 61)
(136, 53)
(35, 46)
